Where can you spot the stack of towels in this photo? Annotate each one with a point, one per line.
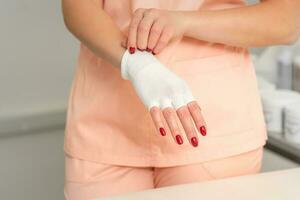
(275, 104)
(281, 97)
(292, 122)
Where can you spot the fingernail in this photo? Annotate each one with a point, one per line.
(131, 50)
(203, 130)
(141, 49)
(194, 141)
(153, 53)
(179, 139)
(162, 131)
(149, 50)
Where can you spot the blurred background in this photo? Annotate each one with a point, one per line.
(38, 57)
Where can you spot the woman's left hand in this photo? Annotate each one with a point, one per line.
(152, 29)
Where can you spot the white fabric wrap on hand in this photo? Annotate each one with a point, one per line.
(154, 83)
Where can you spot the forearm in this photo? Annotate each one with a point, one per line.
(268, 23)
(93, 27)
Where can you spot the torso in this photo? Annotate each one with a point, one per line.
(108, 123)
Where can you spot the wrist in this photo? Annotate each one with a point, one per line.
(131, 64)
(184, 21)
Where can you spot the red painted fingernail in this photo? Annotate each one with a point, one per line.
(162, 131)
(203, 130)
(131, 50)
(141, 49)
(149, 50)
(179, 139)
(194, 141)
(153, 53)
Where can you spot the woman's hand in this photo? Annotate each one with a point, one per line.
(152, 29)
(165, 95)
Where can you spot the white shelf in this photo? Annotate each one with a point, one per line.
(278, 143)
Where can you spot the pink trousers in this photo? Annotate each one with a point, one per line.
(87, 180)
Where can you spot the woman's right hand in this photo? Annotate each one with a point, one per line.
(165, 95)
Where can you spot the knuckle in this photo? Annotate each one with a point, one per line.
(184, 113)
(194, 107)
(155, 31)
(163, 41)
(153, 10)
(139, 11)
(142, 28)
(168, 113)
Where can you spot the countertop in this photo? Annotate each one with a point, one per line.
(275, 185)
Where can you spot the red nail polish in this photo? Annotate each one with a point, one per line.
(153, 53)
(194, 141)
(149, 50)
(131, 50)
(141, 49)
(162, 131)
(179, 139)
(203, 130)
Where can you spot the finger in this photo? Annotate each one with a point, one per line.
(195, 111)
(124, 42)
(164, 39)
(144, 30)
(137, 17)
(157, 119)
(165, 124)
(155, 33)
(188, 125)
(170, 117)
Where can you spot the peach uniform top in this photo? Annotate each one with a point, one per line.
(107, 122)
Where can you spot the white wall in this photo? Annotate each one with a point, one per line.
(37, 56)
(32, 166)
(37, 62)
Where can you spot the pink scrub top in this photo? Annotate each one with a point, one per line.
(107, 122)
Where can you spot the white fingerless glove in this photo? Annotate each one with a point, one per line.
(154, 83)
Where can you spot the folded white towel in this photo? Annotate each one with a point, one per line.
(274, 101)
(291, 115)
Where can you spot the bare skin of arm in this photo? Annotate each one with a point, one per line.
(94, 27)
(270, 22)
